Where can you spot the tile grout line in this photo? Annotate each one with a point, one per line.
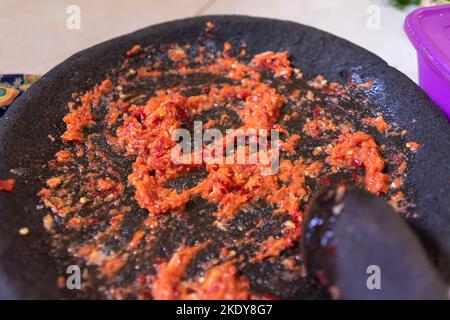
(205, 7)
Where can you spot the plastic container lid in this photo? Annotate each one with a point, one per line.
(429, 31)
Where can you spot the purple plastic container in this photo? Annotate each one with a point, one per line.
(429, 32)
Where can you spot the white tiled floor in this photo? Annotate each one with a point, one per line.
(34, 36)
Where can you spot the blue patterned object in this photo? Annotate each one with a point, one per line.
(12, 86)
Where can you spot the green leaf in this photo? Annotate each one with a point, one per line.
(404, 3)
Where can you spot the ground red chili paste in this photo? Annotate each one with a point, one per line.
(149, 228)
(7, 185)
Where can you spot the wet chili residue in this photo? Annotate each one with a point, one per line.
(7, 185)
(145, 227)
